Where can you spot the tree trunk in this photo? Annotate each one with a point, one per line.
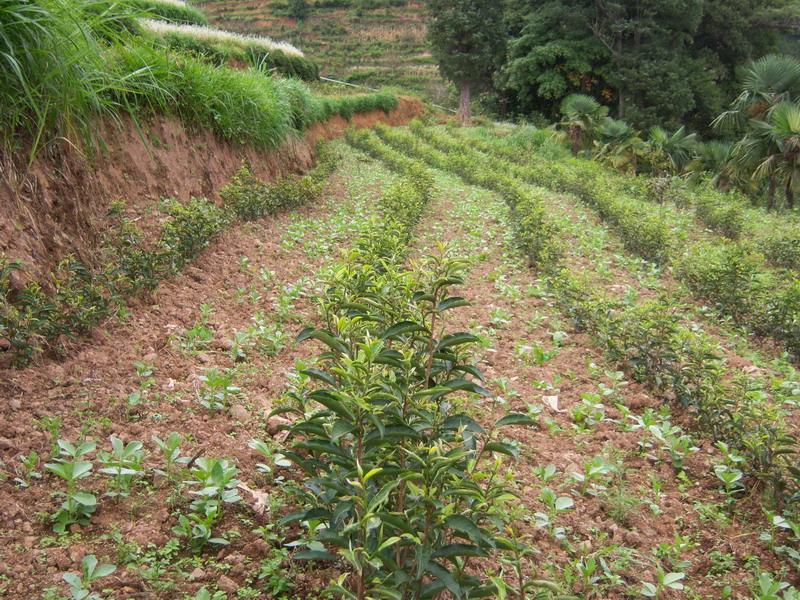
(575, 137)
(771, 194)
(790, 196)
(464, 113)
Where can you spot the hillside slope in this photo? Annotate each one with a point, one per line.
(368, 43)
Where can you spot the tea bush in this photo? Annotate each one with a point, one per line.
(401, 485)
(732, 276)
(651, 341)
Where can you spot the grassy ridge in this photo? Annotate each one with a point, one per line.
(221, 47)
(68, 63)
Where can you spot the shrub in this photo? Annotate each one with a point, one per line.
(724, 274)
(782, 247)
(189, 231)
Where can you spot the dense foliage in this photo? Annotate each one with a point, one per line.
(657, 63)
(68, 64)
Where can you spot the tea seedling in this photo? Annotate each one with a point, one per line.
(217, 390)
(78, 506)
(91, 571)
(124, 464)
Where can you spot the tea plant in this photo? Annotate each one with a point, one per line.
(171, 452)
(91, 571)
(29, 464)
(78, 505)
(594, 476)
(589, 413)
(555, 505)
(124, 463)
(216, 485)
(146, 381)
(664, 582)
(217, 389)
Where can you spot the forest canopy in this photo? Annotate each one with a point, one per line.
(653, 62)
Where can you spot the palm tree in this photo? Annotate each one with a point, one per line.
(582, 116)
(677, 148)
(715, 157)
(768, 81)
(619, 144)
(771, 151)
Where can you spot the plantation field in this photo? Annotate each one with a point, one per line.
(446, 363)
(372, 44)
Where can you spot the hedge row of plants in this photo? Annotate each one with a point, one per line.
(681, 363)
(542, 236)
(405, 488)
(76, 298)
(222, 48)
(729, 275)
(728, 213)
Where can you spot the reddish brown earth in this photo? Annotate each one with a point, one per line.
(86, 390)
(58, 206)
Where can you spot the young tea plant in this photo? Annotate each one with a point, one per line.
(124, 463)
(217, 390)
(78, 505)
(388, 444)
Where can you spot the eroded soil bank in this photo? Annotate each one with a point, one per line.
(59, 205)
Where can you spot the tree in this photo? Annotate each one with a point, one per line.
(299, 9)
(468, 42)
(771, 151)
(654, 62)
(767, 82)
(583, 115)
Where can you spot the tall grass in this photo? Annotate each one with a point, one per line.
(53, 77)
(221, 47)
(66, 63)
(172, 11)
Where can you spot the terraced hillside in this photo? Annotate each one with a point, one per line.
(440, 377)
(368, 43)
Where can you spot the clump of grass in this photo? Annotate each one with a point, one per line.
(172, 11)
(52, 68)
(218, 36)
(222, 47)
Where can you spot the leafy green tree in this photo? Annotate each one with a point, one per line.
(299, 9)
(468, 42)
(656, 62)
(583, 115)
(767, 82)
